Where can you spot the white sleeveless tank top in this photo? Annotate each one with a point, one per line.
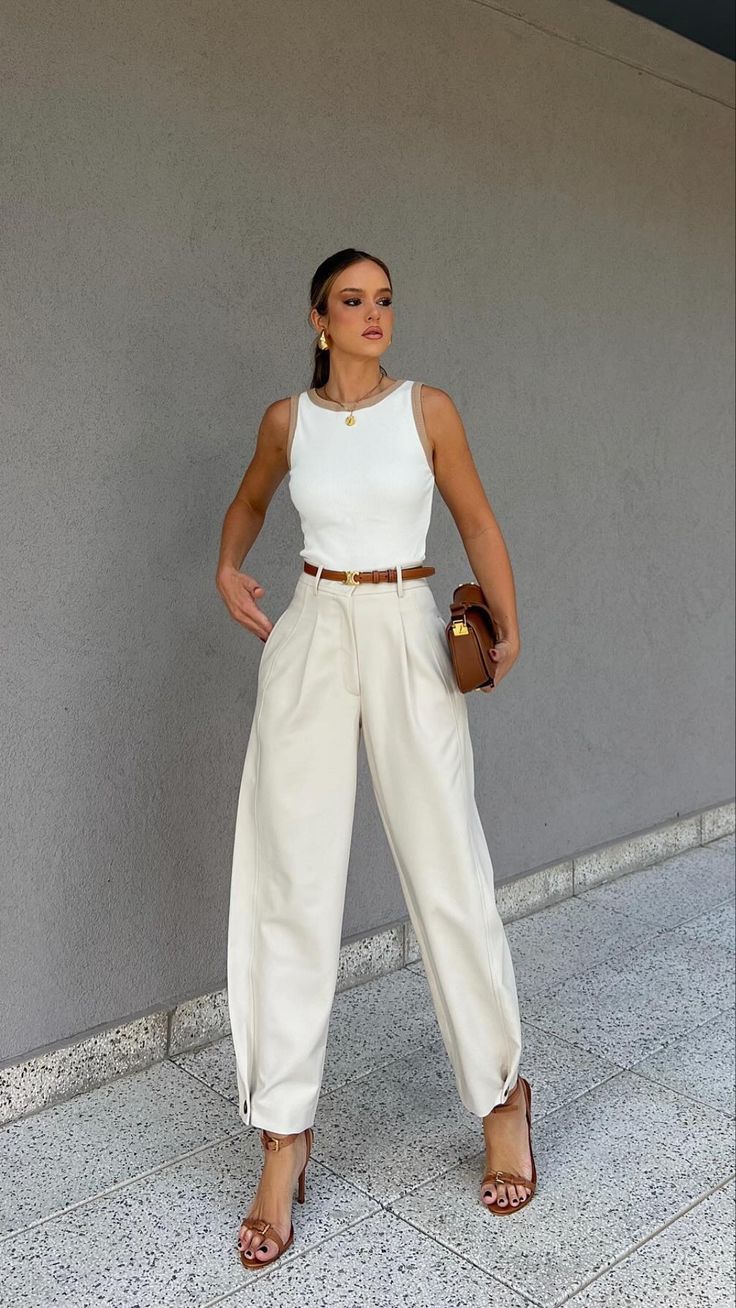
(363, 493)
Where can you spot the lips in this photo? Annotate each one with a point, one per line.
(374, 332)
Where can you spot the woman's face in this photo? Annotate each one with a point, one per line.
(360, 300)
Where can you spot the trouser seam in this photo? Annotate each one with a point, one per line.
(484, 897)
(257, 874)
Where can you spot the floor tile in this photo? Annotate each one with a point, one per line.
(699, 1064)
(565, 940)
(639, 1000)
(670, 892)
(616, 1163)
(714, 929)
(371, 1025)
(405, 1123)
(85, 1146)
(382, 1262)
(727, 842)
(690, 1264)
(389, 1131)
(214, 1066)
(167, 1241)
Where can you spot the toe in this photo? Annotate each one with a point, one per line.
(265, 1250)
(251, 1243)
(246, 1242)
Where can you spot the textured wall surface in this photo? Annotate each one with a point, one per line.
(552, 189)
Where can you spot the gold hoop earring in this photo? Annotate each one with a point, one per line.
(322, 340)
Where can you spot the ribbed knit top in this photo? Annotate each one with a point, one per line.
(363, 493)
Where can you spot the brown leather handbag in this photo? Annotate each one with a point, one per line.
(471, 636)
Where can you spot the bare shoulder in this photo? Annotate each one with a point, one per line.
(274, 430)
(276, 417)
(437, 402)
(441, 418)
(434, 394)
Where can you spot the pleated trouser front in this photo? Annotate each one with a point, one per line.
(341, 658)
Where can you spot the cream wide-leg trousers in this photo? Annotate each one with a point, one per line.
(341, 657)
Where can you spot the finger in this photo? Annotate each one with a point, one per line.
(247, 619)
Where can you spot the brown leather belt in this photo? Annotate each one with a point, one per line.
(375, 574)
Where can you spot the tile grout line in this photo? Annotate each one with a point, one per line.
(492, 1276)
(360, 1221)
(524, 1295)
(720, 1185)
(641, 1244)
(200, 1080)
(385, 1205)
(100, 1195)
(170, 1163)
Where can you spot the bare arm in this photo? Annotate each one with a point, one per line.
(245, 517)
(460, 486)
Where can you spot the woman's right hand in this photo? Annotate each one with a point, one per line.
(240, 592)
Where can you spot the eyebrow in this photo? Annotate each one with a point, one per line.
(361, 289)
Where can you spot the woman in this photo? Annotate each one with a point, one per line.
(361, 646)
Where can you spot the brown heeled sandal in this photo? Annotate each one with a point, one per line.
(267, 1229)
(509, 1178)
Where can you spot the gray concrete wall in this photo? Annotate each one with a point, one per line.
(553, 192)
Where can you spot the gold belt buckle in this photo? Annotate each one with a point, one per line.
(351, 577)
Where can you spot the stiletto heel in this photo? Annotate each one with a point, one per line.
(267, 1229)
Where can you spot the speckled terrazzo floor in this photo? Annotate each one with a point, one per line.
(130, 1196)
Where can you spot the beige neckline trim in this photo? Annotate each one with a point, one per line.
(361, 404)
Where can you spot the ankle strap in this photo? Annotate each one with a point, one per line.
(274, 1142)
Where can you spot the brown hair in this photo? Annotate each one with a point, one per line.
(319, 290)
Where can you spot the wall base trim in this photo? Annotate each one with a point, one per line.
(60, 1073)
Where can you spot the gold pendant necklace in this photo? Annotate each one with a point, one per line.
(351, 419)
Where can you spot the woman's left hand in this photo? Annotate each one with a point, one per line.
(504, 655)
